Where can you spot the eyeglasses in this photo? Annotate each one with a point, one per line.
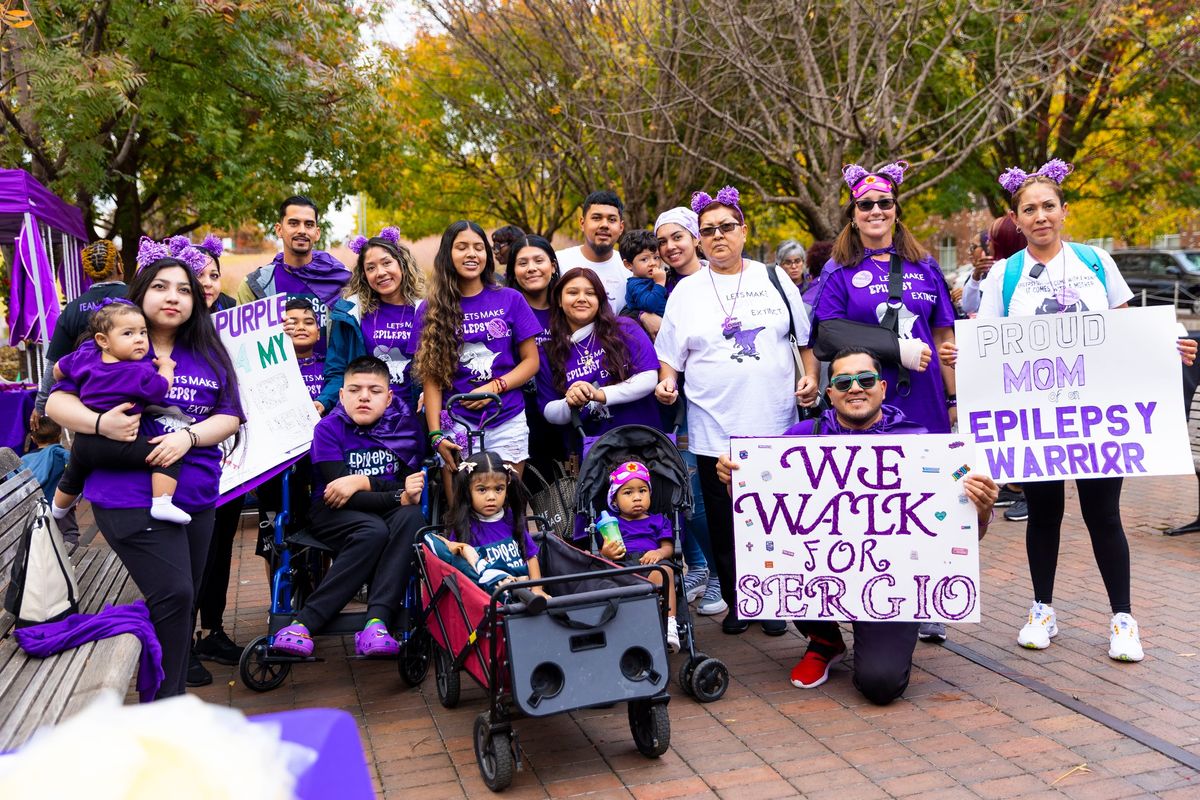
(884, 204)
(844, 383)
(725, 228)
(791, 262)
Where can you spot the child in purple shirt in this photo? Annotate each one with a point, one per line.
(305, 333)
(645, 538)
(110, 370)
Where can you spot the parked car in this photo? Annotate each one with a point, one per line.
(1166, 276)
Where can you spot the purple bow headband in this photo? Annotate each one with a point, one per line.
(122, 301)
(1055, 169)
(212, 245)
(884, 179)
(177, 247)
(727, 196)
(388, 234)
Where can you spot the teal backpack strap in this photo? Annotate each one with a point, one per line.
(1091, 260)
(1013, 266)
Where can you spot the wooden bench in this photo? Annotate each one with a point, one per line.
(36, 692)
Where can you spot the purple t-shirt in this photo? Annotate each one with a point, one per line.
(388, 334)
(104, 386)
(312, 370)
(586, 362)
(859, 294)
(195, 395)
(495, 322)
(542, 315)
(642, 535)
(496, 542)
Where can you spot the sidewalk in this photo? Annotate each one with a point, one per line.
(960, 731)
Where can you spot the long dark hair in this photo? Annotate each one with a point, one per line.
(607, 330)
(197, 333)
(441, 335)
(520, 243)
(515, 498)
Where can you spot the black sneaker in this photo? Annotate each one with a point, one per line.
(1007, 497)
(774, 627)
(732, 624)
(218, 647)
(197, 674)
(1019, 512)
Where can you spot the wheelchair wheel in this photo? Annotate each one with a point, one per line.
(651, 727)
(448, 680)
(710, 679)
(685, 672)
(415, 656)
(493, 753)
(257, 671)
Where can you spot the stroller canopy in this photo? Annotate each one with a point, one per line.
(672, 489)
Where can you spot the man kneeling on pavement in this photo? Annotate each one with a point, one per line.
(366, 505)
(882, 650)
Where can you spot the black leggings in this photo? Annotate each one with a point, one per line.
(213, 592)
(1100, 503)
(89, 451)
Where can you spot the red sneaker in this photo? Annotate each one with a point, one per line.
(813, 668)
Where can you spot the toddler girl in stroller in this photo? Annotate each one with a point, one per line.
(645, 538)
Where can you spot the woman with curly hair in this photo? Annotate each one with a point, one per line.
(597, 363)
(377, 315)
(475, 336)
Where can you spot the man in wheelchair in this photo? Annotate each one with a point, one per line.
(366, 506)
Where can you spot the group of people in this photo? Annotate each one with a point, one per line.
(673, 327)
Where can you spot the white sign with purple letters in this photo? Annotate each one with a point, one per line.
(859, 528)
(1083, 395)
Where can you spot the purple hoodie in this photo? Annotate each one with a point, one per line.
(390, 448)
(893, 421)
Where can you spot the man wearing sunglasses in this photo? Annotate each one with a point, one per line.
(882, 650)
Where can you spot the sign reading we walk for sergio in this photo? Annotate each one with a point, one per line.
(1082, 395)
(859, 528)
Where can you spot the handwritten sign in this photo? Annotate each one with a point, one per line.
(868, 528)
(1095, 394)
(279, 413)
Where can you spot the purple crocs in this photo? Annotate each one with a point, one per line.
(374, 641)
(294, 640)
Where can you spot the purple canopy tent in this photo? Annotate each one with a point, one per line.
(47, 235)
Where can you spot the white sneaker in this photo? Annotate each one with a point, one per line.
(1124, 644)
(1040, 629)
(713, 603)
(695, 583)
(672, 636)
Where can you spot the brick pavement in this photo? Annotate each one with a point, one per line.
(960, 731)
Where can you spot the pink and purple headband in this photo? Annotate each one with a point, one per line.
(1055, 169)
(629, 471)
(727, 196)
(176, 247)
(388, 234)
(885, 179)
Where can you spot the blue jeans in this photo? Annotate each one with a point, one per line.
(697, 550)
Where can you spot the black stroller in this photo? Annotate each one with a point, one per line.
(700, 676)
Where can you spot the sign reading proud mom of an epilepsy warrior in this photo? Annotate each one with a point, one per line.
(280, 416)
(1084, 395)
(868, 528)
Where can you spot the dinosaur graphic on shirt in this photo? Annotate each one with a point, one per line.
(476, 357)
(395, 359)
(906, 320)
(743, 341)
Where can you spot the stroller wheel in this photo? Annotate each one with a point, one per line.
(448, 680)
(651, 727)
(710, 679)
(493, 753)
(415, 656)
(257, 669)
(686, 669)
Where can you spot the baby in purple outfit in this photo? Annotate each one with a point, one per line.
(106, 372)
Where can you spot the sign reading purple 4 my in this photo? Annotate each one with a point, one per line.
(1081, 395)
(865, 528)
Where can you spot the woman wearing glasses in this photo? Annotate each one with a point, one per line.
(728, 327)
(888, 294)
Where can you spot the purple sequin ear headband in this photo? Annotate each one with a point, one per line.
(727, 196)
(177, 247)
(884, 179)
(388, 234)
(212, 245)
(1055, 169)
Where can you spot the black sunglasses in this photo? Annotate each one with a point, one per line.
(725, 228)
(884, 204)
(844, 383)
